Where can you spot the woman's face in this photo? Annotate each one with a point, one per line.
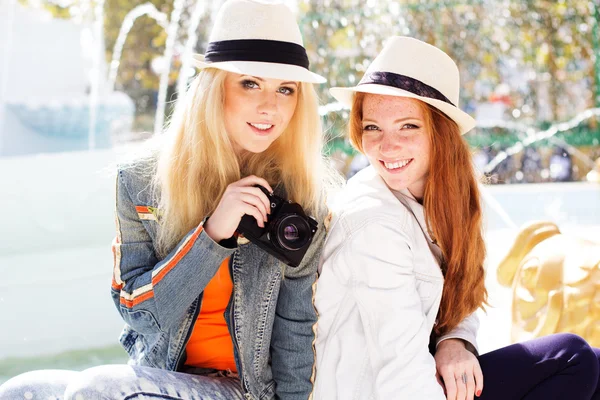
(396, 141)
(257, 110)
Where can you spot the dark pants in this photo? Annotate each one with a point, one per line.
(560, 366)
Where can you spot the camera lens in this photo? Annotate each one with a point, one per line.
(292, 232)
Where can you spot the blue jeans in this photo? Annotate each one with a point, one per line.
(122, 382)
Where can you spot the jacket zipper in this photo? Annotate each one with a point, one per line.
(188, 334)
(234, 336)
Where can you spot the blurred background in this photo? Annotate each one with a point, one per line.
(84, 82)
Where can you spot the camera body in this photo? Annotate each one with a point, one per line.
(288, 231)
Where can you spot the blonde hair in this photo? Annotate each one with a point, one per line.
(198, 161)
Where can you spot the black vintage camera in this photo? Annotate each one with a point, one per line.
(288, 231)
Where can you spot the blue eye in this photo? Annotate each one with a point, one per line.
(410, 126)
(287, 91)
(370, 128)
(249, 84)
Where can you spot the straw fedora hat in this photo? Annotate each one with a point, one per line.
(257, 38)
(408, 67)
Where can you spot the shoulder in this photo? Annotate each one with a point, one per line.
(365, 201)
(136, 177)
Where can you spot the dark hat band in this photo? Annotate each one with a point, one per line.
(404, 82)
(271, 51)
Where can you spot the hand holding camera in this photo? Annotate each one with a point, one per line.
(287, 233)
(278, 226)
(240, 198)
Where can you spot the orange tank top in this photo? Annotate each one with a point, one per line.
(210, 344)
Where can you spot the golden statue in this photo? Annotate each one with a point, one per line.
(594, 174)
(555, 280)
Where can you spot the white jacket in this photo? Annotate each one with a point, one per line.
(377, 296)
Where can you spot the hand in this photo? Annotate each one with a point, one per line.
(458, 370)
(239, 198)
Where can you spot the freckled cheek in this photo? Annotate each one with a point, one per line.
(370, 141)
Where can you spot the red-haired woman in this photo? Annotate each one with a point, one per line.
(402, 269)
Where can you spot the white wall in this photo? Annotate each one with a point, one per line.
(56, 230)
(46, 57)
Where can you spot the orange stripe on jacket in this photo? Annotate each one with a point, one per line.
(134, 302)
(115, 285)
(178, 256)
(161, 274)
(142, 209)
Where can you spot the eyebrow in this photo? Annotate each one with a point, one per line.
(262, 80)
(396, 121)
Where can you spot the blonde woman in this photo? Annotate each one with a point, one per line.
(209, 314)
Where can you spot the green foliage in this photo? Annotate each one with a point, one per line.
(543, 49)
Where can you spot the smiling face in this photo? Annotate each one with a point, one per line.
(257, 110)
(395, 139)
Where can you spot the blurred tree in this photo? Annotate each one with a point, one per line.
(542, 49)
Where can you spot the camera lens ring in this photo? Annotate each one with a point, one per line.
(292, 225)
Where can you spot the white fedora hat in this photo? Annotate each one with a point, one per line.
(408, 67)
(257, 38)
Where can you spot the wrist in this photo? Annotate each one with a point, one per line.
(452, 342)
(209, 230)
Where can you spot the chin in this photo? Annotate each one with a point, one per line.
(395, 185)
(257, 149)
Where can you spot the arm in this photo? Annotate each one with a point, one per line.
(151, 294)
(292, 343)
(466, 331)
(380, 260)
(456, 354)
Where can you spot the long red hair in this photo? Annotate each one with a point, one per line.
(452, 211)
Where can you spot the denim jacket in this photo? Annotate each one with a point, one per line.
(270, 315)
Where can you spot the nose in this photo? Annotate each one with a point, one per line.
(389, 144)
(268, 103)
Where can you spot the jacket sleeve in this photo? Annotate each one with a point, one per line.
(292, 343)
(383, 283)
(467, 331)
(153, 294)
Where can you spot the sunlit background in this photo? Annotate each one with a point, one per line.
(83, 83)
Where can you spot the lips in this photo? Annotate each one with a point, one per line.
(261, 126)
(396, 165)
(261, 129)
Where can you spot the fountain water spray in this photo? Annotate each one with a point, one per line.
(95, 73)
(190, 44)
(164, 77)
(145, 9)
(8, 33)
(541, 135)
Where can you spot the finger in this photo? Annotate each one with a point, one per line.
(470, 386)
(254, 180)
(439, 380)
(478, 379)
(256, 202)
(450, 383)
(254, 191)
(253, 211)
(461, 386)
